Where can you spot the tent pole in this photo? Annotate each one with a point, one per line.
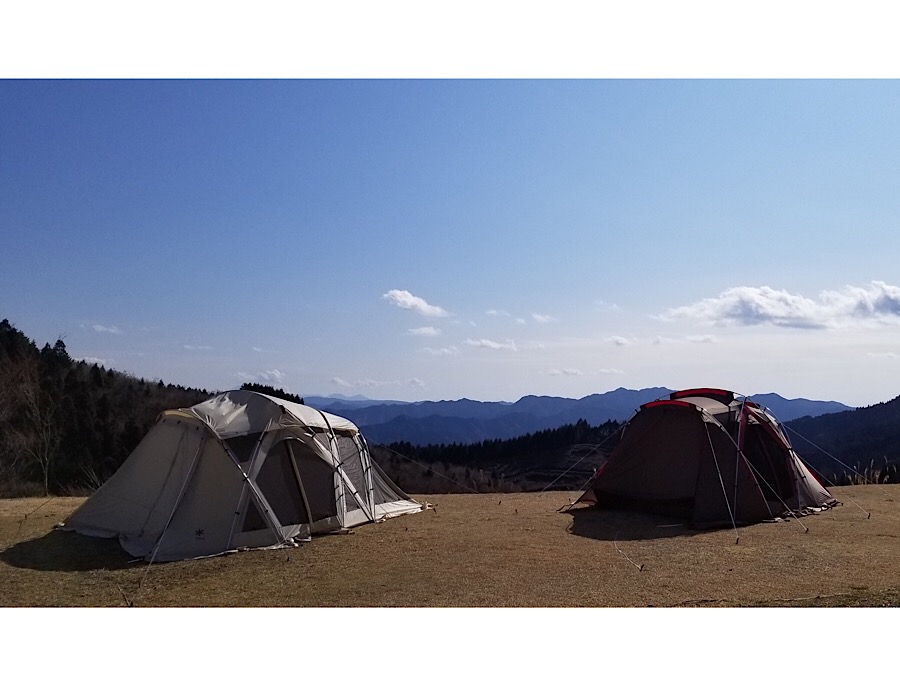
(336, 462)
(248, 485)
(365, 459)
(742, 431)
(775, 492)
(299, 478)
(343, 479)
(246, 482)
(181, 493)
(722, 483)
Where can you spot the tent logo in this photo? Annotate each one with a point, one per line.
(199, 534)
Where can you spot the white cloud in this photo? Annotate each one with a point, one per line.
(93, 360)
(115, 330)
(506, 315)
(883, 355)
(543, 318)
(699, 339)
(880, 301)
(201, 348)
(748, 306)
(425, 331)
(273, 375)
(618, 340)
(413, 382)
(257, 349)
(406, 300)
(571, 372)
(442, 351)
(509, 345)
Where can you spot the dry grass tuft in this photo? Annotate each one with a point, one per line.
(488, 550)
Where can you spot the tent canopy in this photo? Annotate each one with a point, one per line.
(240, 470)
(709, 456)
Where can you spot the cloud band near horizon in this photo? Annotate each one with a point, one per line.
(752, 306)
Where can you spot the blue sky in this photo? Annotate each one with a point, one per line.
(441, 239)
(410, 238)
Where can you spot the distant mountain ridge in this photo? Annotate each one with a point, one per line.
(469, 421)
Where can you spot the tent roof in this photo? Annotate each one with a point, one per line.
(240, 412)
(712, 401)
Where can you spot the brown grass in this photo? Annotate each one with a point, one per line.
(489, 550)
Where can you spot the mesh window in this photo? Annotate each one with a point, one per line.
(253, 519)
(277, 482)
(352, 466)
(242, 446)
(384, 488)
(318, 482)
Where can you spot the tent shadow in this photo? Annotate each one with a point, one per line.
(67, 552)
(610, 525)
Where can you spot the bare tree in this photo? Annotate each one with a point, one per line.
(30, 417)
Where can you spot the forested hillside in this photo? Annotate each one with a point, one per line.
(66, 426)
(852, 446)
(565, 457)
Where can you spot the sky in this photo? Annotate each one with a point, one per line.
(443, 238)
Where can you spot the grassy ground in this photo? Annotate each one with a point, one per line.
(490, 550)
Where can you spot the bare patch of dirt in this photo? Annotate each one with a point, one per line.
(487, 550)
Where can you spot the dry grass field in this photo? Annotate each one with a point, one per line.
(485, 550)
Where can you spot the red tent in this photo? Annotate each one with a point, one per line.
(710, 457)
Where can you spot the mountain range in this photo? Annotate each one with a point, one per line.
(469, 421)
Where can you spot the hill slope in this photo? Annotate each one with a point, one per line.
(866, 440)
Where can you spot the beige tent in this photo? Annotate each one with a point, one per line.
(241, 470)
(710, 457)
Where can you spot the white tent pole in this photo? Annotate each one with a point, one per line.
(262, 503)
(336, 460)
(365, 458)
(247, 485)
(343, 479)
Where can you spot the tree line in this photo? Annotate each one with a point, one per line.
(66, 425)
(566, 456)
